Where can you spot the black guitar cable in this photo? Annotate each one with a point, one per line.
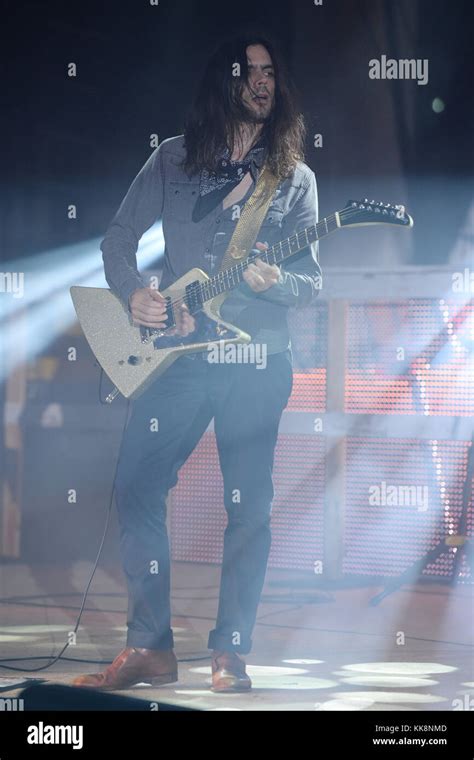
(96, 563)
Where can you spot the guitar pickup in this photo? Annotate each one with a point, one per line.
(193, 298)
(170, 320)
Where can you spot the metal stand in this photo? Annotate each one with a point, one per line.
(460, 541)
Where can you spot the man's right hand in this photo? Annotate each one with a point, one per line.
(148, 307)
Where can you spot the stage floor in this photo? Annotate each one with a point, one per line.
(314, 648)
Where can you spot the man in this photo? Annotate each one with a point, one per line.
(243, 116)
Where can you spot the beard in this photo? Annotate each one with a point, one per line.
(256, 115)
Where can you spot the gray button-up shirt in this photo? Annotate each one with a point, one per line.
(162, 190)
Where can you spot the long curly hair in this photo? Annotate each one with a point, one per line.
(217, 111)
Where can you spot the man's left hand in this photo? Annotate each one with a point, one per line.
(261, 276)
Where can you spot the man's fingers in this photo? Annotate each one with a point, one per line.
(148, 308)
(254, 279)
(148, 315)
(156, 295)
(189, 326)
(261, 276)
(267, 269)
(255, 273)
(270, 272)
(152, 312)
(185, 320)
(149, 303)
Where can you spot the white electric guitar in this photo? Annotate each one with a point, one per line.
(133, 356)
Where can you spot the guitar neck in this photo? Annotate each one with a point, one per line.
(230, 278)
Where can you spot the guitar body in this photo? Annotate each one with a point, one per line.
(130, 355)
(134, 356)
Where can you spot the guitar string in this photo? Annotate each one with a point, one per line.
(344, 214)
(272, 250)
(222, 278)
(264, 254)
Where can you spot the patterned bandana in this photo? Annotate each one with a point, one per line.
(214, 186)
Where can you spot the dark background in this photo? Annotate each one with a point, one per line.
(82, 140)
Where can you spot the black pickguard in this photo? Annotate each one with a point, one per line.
(207, 330)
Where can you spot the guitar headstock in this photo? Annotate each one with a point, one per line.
(373, 212)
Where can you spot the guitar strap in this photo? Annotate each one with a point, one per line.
(250, 221)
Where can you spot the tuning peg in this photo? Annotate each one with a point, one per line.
(372, 202)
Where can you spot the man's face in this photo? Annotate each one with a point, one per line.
(258, 96)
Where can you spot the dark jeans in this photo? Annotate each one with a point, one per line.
(246, 403)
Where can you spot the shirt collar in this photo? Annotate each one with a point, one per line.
(256, 155)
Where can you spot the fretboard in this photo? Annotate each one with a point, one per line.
(275, 254)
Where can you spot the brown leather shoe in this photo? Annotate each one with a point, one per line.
(132, 666)
(228, 672)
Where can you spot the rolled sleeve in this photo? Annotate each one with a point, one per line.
(141, 207)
